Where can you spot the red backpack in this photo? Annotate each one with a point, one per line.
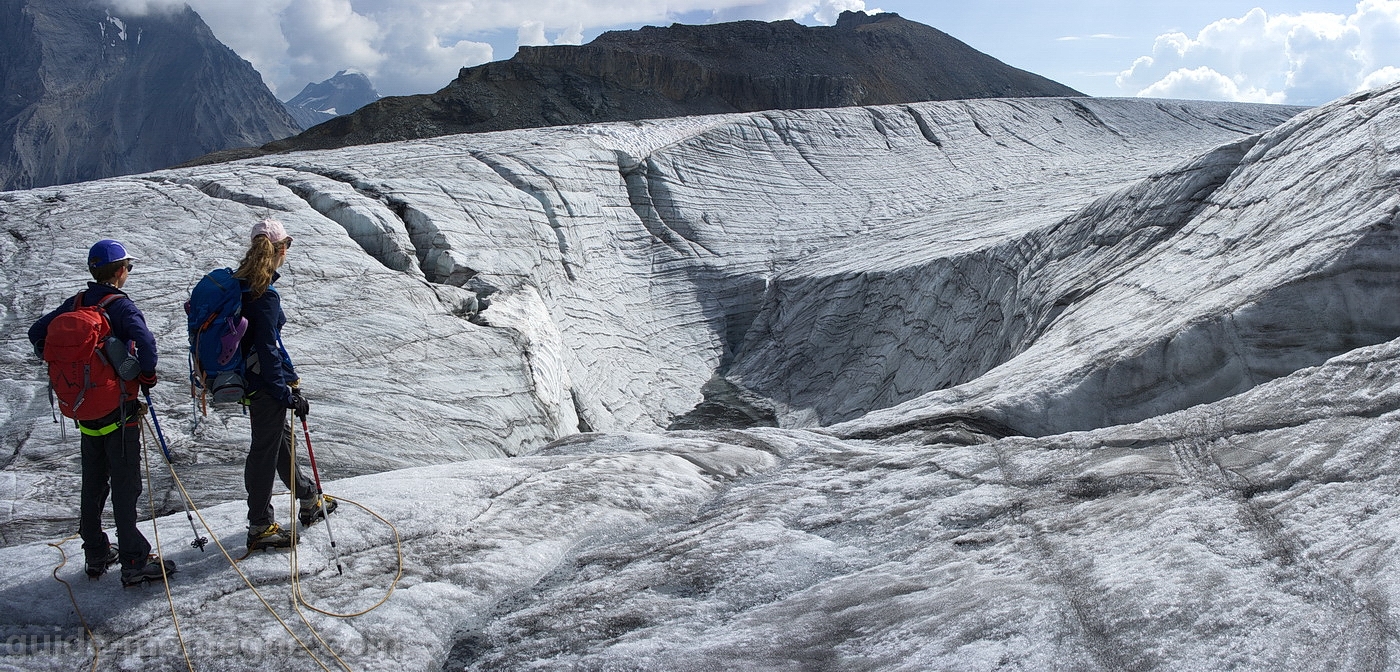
(86, 384)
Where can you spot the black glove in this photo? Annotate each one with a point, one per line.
(300, 407)
(148, 380)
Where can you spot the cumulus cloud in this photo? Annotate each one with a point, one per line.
(319, 31)
(417, 46)
(530, 33)
(1205, 84)
(1305, 59)
(144, 7)
(1383, 77)
(824, 12)
(827, 11)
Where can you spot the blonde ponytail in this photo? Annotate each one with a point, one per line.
(258, 265)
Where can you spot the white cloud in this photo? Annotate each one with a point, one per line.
(1383, 77)
(1202, 83)
(823, 12)
(144, 7)
(318, 31)
(571, 35)
(827, 11)
(1308, 58)
(530, 33)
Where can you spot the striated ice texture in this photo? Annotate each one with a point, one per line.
(1085, 384)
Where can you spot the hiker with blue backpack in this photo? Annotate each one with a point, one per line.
(99, 353)
(272, 388)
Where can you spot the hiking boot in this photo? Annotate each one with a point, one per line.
(98, 566)
(310, 509)
(268, 536)
(150, 571)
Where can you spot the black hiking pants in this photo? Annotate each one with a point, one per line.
(270, 453)
(112, 465)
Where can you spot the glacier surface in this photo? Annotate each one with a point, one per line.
(1052, 383)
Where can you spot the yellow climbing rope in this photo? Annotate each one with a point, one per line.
(299, 597)
(96, 652)
(295, 571)
(160, 555)
(233, 563)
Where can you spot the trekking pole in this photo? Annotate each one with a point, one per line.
(194, 403)
(53, 410)
(199, 541)
(320, 495)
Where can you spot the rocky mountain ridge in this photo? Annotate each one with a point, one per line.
(88, 92)
(685, 70)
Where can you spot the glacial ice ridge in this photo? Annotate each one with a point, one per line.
(1084, 383)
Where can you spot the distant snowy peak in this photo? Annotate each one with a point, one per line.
(347, 91)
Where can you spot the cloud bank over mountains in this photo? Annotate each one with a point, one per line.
(1302, 59)
(418, 47)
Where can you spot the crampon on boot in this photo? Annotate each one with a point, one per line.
(310, 509)
(98, 566)
(268, 536)
(154, 569)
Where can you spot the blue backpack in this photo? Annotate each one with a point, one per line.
(216, 325)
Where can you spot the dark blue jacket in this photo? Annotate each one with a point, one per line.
(128, 324)
(269, 369)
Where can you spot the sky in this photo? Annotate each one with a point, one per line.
(1303, 52)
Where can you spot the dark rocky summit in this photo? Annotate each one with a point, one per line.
(683, 70)
(86, 93)
(342, 94)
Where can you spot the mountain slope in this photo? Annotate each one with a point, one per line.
(89, 94)
(343, 93)
(683, 70)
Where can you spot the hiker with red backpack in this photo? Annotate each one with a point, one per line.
(272, 389)
(100, 353)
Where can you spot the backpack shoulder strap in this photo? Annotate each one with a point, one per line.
(107, 300)
(78, 299)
